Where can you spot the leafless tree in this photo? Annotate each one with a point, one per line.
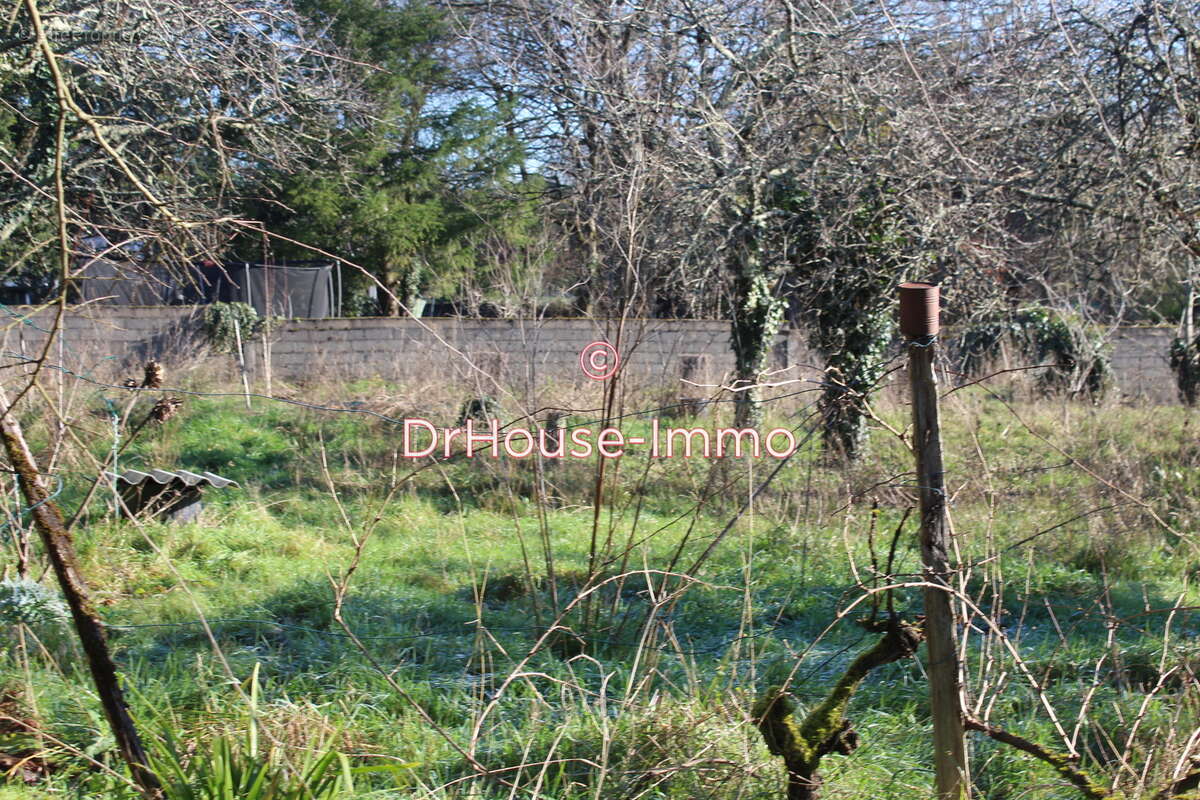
(150, 119)
(131, 130)
(746, 151)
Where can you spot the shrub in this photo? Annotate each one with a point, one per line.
(1075, 352)
(1185, 363)
(223, 322)
(228, 769)
(29, 602)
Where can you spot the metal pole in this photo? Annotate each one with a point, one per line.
(919, 318)
(237, 332)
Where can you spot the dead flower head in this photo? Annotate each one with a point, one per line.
(165, 408)
(153, 378)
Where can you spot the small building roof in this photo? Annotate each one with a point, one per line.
(136, 477)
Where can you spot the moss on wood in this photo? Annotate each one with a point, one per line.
(825, 729)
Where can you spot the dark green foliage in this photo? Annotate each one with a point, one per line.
(1075, 353)
(418, 182)
(224, 323)
(980, 343)
(1185, 363)
(849, 310)
(480, 409)
(28, 114)
(1081, 367)
(180, 142)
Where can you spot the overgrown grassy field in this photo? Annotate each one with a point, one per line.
(441, 680)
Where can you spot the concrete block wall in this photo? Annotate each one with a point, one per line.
(105, 342)
(1140, 364)
(111, 342)
(520, 352)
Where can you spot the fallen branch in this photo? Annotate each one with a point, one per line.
(1064, 765)
(61, 550)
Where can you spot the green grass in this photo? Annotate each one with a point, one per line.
(452, 592)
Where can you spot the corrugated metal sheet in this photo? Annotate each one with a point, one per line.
(135, 477)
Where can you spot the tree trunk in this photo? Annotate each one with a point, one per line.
(402, 279)
(851, 372)
(757, 315)
(390, 305)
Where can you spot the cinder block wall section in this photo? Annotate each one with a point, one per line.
(1141, 366)
(110, 343)
(517, 352)
(105, 342)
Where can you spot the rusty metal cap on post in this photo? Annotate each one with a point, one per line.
(919, 310)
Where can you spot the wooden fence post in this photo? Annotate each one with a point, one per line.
(919, 318)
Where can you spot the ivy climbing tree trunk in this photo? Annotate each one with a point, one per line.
(846, 292)
(852, 329)
(403, 287)
(852, 369)
(757, 315)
